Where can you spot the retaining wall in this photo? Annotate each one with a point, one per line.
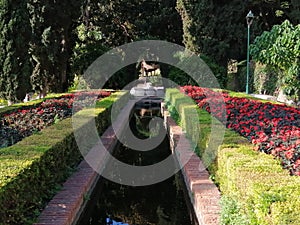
(65, 208)
(203, 193)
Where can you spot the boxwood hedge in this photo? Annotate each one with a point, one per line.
(32, 170)
(255, 189)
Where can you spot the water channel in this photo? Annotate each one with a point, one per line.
(158, 204)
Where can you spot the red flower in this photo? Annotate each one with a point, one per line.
(274, 128)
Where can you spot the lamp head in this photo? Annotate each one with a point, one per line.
(249, 18)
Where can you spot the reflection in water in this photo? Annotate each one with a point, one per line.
(158, 204)
(110, 221)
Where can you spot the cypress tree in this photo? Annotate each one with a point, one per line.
(15, 62)
(53, 24)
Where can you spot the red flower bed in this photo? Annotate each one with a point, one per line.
(27, 120)
(272, 128)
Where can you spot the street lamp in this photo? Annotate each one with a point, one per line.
(249, 19)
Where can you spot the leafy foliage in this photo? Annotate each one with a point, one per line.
(214, 29)
(280, 48)
(231, 212)
(218, 28)
(113, 23)
(88, 48)
(181, 78)
(265, 79)
(121, 22)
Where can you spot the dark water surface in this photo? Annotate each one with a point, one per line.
(158, 204)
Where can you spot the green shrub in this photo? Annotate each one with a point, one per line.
(219, 72)
(265, 79)
(3, 102)
(181, 78)
(255, 188)
(32, 170)
(259, 184)
(183, 109)
(231, 212)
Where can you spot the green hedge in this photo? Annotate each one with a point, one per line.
(265, 192)
(255, 189)
(184, 111)
(32, 170)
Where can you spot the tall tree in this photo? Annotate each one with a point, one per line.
(280, 49)
(53, 23)
(15, 62)
(218, 28)
(293, 11)
(113, 23)
(125, 21)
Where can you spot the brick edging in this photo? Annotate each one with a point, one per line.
(203, 193)
(66, 206)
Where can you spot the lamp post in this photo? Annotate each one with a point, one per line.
(249, 19)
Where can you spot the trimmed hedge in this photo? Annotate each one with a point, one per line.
(32, 170)
(184, 111)
(266, 193)
(255, 189)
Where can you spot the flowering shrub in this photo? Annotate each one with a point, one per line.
(25, 121)
(272, 128)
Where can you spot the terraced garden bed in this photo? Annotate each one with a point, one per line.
(255, 188)
(26, 120)
(272, 128)
(33, 169)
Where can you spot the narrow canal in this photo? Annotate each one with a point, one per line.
(158, 204)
